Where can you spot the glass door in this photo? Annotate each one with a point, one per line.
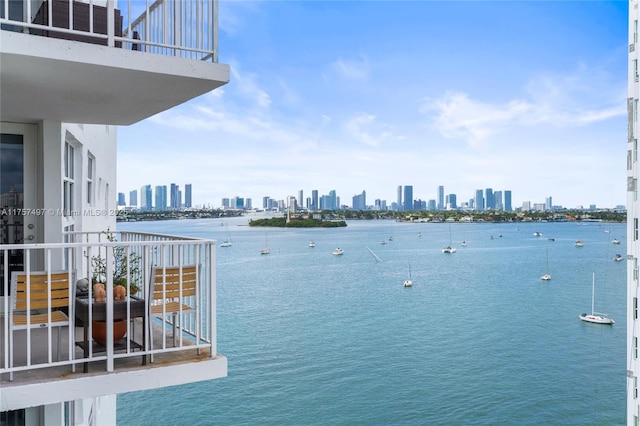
(17, 195)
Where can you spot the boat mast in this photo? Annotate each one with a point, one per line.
(593, 292)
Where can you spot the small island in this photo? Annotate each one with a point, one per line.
(281, 222)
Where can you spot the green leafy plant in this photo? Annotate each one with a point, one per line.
(126, 267)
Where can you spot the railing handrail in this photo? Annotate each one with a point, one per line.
(192, 33)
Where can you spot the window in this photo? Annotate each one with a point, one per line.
(635, 228)
(635, 31)
(635, 271)
(635, 348)
(90, 176)
(635, 150)
(635, 313)
(635, 110)
(68, 181)
(635, 387)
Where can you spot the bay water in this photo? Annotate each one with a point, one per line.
(479, 339)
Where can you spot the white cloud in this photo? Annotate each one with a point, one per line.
(580, 98)
(354, 69)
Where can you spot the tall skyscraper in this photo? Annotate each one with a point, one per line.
(174, 201)
(314, 200)
(441, 202)
(507, 201)
(489, 202)
(548, 204)
(452, 203)
(333, 200)
(133, 198)
(399, 198)
(187, 195)
(300, 199)
(161, 198)
(497, 196)
(479, 201)
(121, 199)
(146, 202)
(360, 201)
(408, 197)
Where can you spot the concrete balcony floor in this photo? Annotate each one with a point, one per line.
(168, 368)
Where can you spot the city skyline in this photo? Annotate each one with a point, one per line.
(525, 95)
(482, 199)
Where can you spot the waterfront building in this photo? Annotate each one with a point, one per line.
(63, 94)
(146, 203)
(314, 200)
(431, 205)
(188, 203)
(497, 196)
(121, 199)
(526, 206)
(489, 201)
(161, 198)
(507, 201)
(175, 197)
(633, 219)
(441, 202)
(133, 198)
(300, 199)
(399, 198)
(478, 202)
(452, 203)
(548, 204)
(360, 201)
(408, 197)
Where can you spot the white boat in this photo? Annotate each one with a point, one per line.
(546, 276)
(615, 241)
(463, 244)
(227, 242)
(579, 243)
(595, 317)
(449, 248)
(537, 234)
(312, 244)
(618, 257)
(383, 242)
(338, 252)
(408, 282)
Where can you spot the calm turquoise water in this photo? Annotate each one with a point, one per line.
(479, 339)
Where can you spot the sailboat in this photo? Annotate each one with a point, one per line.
(449, 248)
(408, 282)
(595, 317)
(227, 242)
(266, 249)
(547, 275)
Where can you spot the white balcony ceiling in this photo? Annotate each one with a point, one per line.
(51, 79)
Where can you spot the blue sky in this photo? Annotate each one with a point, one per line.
(368, 95)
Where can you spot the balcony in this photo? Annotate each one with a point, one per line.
(147, 357)
(89, 62)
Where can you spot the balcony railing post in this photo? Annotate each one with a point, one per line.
(212, 302)
(111, 7)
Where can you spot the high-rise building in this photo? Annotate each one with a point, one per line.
(497, 196)
(507, 201)
(441, 201)
(314, 200)
(408, 197)
(489, 201)
(360, 201)
(146, 202)
(633, 220)
(161, 198)
(548, 204)
(478, 201)
(334, 203)
(431, 205)
(174, 202)
(399, 198)
(133, 198)
(187, 195)
(300, 199)
(121, 199)
(451, 203)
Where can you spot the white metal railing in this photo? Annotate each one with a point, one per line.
(183, 28)
(107, 257)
